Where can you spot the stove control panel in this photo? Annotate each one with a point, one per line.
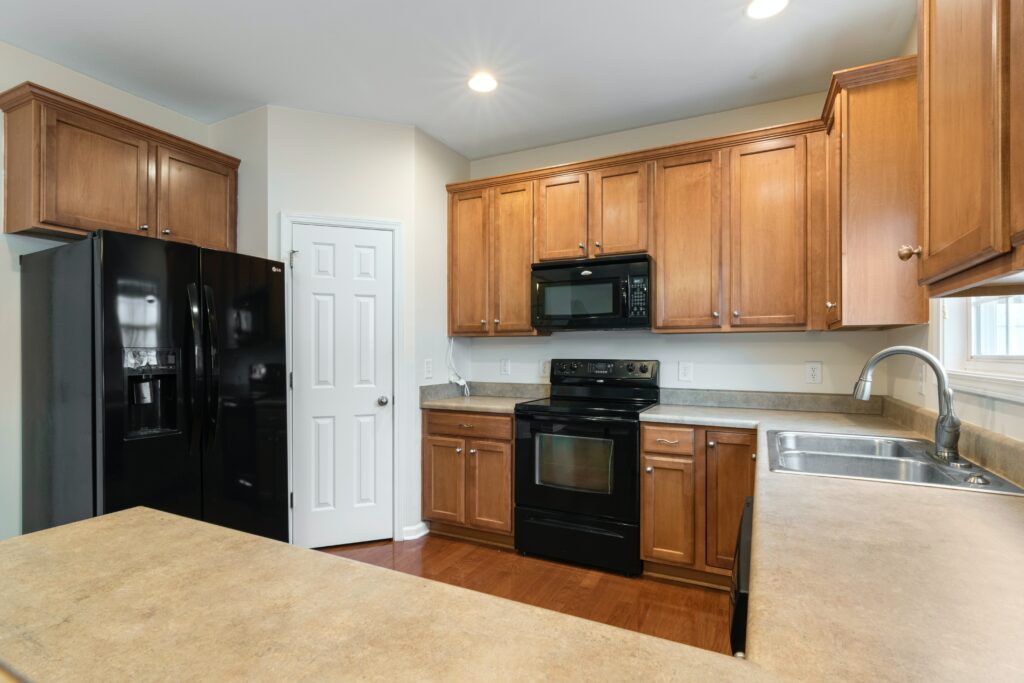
(600, 369)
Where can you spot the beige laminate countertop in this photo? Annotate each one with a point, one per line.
(143, 595)
(475, 404)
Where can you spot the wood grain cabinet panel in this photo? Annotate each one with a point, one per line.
(444, 479)
(729, 479)
(1016, 109)
(687, 241)
(468, 267)
(196, 200)
(560, 225)
(94, 176)
(619, 217)
(71, 168)
(489, 485)
(668, 509)
(963, 76)
(768, 233)
(512, 244)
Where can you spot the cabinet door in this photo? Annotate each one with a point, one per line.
(94, 176)
(668, 509)
(512, 244)
(619, 219)
(962, 125)
(560, 228)
(730, 479)
(768, 233)
(1017, 120)
(444, 479)
(468, 250)
(687, 241)
(489, 485)
(196, 200)
(833, 223)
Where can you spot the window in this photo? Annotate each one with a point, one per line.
(997, 327)
(982, 345)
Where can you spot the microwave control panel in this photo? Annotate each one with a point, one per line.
(639, 296)
(597, 369)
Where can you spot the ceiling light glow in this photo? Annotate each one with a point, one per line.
(482, 82)
(762, 9)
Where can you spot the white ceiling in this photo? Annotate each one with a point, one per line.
(567, 69)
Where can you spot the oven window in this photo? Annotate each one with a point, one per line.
(574, 462)
(579, 299)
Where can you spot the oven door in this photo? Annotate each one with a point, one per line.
(581, 465)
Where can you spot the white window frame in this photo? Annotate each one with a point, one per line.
(999, 378)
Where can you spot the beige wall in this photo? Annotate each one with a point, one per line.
(17, 66)
(245, 137)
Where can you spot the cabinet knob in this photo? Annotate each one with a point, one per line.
(649, 470)
(711, 444)
(458, 451)
(472, 451)
(753, 456)
(735, 314)
(597, 244)
(497, 321)
(582, 246)
(906, 252)
(829, 305)
(464, 425)
(144, 228)
(483, 322)
(714, 314)
(166, 231)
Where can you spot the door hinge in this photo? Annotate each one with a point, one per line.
(291, 383)
(291, 258)
(291, 500)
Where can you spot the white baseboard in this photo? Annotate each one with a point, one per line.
(414, 531)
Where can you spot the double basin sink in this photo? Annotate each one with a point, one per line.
(905, 461)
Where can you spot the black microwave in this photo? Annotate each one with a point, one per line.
(610, 293)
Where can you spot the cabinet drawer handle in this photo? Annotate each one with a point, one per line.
(144, 228)
(711, 444)
(465, 426)
(667, 442)
(166, 231)
(649, 470)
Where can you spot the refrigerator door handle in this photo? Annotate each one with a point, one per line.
(214, 361)
(196, 378)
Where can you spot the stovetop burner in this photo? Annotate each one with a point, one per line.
(586, 406)
(614, 388)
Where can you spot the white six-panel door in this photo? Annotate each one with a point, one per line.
(342, 343)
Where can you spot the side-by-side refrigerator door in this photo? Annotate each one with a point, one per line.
(245, 452)
(151, 376)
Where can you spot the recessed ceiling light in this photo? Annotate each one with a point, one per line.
(762, 9)
(483, 82)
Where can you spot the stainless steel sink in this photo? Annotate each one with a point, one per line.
(904, 461)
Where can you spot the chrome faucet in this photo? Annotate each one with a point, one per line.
(947, 427)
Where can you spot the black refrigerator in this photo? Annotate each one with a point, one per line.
(153, 373)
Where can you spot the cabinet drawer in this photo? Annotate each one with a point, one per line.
(470, 424)
(668, 440)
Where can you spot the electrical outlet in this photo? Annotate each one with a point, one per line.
(920, 380)
(505, 366)
(812, 372)
(685, 371)
(428, 368)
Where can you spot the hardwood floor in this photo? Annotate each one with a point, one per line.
(687, 614)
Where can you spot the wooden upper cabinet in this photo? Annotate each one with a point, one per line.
(196, 200)
(489, 485)
(768, 233)
(468, 251)
(963, 78)
(444, 479)
(687, 241)
(512, 244)
(730, 479)
(1017, 121)
(71, 168)
(873, 198)
(560, 224)
(668, 509)
(94, 176)
(619, 216)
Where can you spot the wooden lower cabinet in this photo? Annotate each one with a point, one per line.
(691, 504)
(467, 482)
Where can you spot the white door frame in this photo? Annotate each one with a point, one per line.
(290, 219)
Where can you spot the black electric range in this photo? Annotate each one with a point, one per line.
(578, 463)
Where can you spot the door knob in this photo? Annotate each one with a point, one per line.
(166, 231)
(382, 401)
(649, 470)
(906, 252)
(711, 444)
(144, 228)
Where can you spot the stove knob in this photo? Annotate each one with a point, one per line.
(630, 367)
(563, 367)
(575, 367)
(643, 368)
